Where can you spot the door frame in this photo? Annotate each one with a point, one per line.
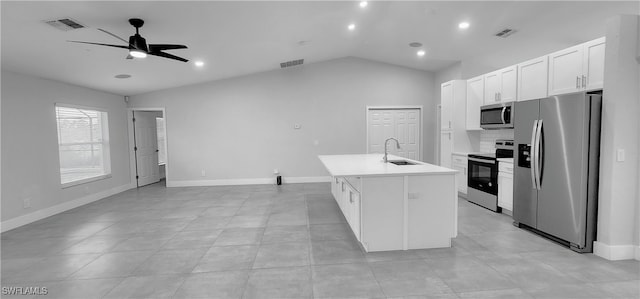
(398, 107)
(132, 154)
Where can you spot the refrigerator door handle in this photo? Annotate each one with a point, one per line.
(538, 150)
(532, 154)
(504, 109)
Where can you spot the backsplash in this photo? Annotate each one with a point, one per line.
(488, 139)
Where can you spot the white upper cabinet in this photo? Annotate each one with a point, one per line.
(475, 99)
(500, 86)
(532, 79)
(593, 64)
(509, 84)
(446, 106)
(491, 87)
(577, 68)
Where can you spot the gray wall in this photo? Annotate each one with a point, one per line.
(30, 162)
(619, 197)
(243, 128)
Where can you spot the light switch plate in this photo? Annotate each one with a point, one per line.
(620, 155)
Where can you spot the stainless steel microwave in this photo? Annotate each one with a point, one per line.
(497, 116)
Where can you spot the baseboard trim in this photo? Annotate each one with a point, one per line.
(255, 181)
(65, 206)
(616, 252)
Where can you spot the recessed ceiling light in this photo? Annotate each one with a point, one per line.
(363, 4)
(421, 53)
(199, 63)
(122, 76)
(352, 27)
(463, 25)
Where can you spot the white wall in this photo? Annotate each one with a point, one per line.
(30, 162)
(618, 199)
(243, 128)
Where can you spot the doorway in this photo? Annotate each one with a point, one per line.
(149, 144)
(401, 122)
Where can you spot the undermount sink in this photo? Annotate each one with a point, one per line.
(402, 162)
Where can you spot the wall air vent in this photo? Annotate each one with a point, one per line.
(65, 24)
(505, 33)
(291, 63)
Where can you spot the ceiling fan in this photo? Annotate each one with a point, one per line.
(137, 45)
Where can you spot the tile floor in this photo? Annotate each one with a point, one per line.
(286, 242)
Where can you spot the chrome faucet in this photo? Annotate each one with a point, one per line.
(385, 148)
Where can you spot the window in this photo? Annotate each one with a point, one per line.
(162, 152)
(83, 143)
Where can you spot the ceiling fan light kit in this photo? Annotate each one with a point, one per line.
(138, 47)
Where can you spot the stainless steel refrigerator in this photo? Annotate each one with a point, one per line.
(557, 142)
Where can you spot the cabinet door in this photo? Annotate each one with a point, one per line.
(593, 64)
(532, 79)
(475, 98)
(446, 148)
(354, 212)
(565, 71)
(461, 177)
(344, 197)
(491, 88)
(508, 84)
(505, 191)
(446, 106)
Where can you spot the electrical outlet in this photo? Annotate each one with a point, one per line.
(203, 173)
(296, 126)
(26, 203)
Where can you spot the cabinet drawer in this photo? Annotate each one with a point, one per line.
(354, 182)
(505, 167)
(459, 160)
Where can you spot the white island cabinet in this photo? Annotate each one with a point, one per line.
(395, 207)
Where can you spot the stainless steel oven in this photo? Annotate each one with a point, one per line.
(482, 175)
(482, 181)
(497, 116)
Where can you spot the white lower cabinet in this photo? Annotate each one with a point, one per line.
(399, 212)
(353, 203)
(505, 186)
(459, 163)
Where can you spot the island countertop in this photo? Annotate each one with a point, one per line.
(372, 165)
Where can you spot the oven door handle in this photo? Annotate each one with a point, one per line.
(532, 154)
(482, 161)
(504, 109)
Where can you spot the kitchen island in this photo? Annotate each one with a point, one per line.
(395, 207)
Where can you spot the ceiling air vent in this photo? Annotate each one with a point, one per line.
(291, 63)
(505, 33)
(65, 24)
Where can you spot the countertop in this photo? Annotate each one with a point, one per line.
(372, 165)
(506, 160)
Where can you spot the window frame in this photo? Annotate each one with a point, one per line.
(106, 145)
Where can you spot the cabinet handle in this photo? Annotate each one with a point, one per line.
(499, 96)
(449, 124)
(584, 81)
(578, 82)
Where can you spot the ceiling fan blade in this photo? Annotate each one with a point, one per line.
(166, 55)
(160, 47)
(108, 45)
(109, 33)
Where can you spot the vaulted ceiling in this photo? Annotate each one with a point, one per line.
(239, 38)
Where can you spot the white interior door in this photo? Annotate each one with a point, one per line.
(146, 147)
(402, 124)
